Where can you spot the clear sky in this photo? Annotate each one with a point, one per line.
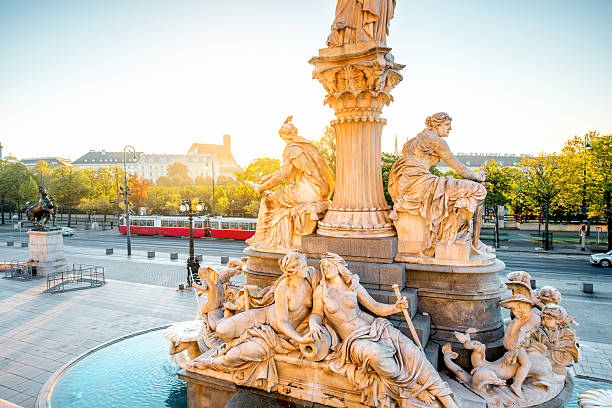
(517, 76)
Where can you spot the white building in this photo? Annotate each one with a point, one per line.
(200, 160)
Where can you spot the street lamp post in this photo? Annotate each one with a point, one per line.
(125, 191)
(211, 162)
(583, 228)
(192, 262)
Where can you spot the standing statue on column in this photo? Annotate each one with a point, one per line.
(361, 21)
(286, 215)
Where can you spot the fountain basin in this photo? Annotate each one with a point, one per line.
(131, 371)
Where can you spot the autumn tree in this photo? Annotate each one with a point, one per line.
(163, 200)
(16, 185)
(546, 177)
(499, 192)
(601, 165)
(138, 189)
(68, 186)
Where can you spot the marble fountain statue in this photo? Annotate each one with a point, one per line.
(351, 302)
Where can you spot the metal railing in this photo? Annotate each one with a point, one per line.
(16, 270)
(75, 274)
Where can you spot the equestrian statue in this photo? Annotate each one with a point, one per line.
(40, 213)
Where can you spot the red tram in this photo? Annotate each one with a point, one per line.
(171, 226)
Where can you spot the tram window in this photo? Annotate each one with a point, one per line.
(149, 223)
(174, 224)
(164, 223)
(197, 224)
(252, 225)
(225, 225)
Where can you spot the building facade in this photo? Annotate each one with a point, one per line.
(476, 160)
(202, 160)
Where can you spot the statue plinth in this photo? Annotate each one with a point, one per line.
(358, 79)
(46, 251)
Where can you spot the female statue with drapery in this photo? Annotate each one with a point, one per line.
(386, 366)
(361, 21)
(446, 204)
(286, 215)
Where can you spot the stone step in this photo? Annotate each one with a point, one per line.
(432, 352)
(422, 325)
(389, 297)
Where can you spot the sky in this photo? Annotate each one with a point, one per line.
(517, 76)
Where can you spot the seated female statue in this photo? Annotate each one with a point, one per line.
(253, 337)
(447, 204)
(376, 357)
(287, 214)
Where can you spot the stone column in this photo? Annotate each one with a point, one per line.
(358, 79)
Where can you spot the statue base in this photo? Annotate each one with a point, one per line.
(299, 380)
(46, 251)
(211, 389)
(448, 297)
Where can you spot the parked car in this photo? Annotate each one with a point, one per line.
(604, 259)
(67, 231)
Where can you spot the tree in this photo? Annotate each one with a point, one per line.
(601, 163)
(327, 146)
(387, 161)
(68, 186)
(103, 183)
(256, 169)
(16, 184)
(223, 180)
(546, 177)
(178, 176)
(500, 190)
(138, 189)
(163, 200)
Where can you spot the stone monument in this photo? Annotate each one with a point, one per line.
(340, 297)
(46, 244)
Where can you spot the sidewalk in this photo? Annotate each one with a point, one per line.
(40, 332)
(514, 240)
(595, 361)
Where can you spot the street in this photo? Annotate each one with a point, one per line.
(565, 272)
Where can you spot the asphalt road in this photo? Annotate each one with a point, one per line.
(538, 264)
(566, 272)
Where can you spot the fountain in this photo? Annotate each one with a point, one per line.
(340, 296)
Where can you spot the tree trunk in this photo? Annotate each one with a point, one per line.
(607, 195)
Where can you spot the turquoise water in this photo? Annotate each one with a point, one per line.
(135, 372)
(583, 384)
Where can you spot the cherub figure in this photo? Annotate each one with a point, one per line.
(557, 335)
(523, 358)
(517, 337)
